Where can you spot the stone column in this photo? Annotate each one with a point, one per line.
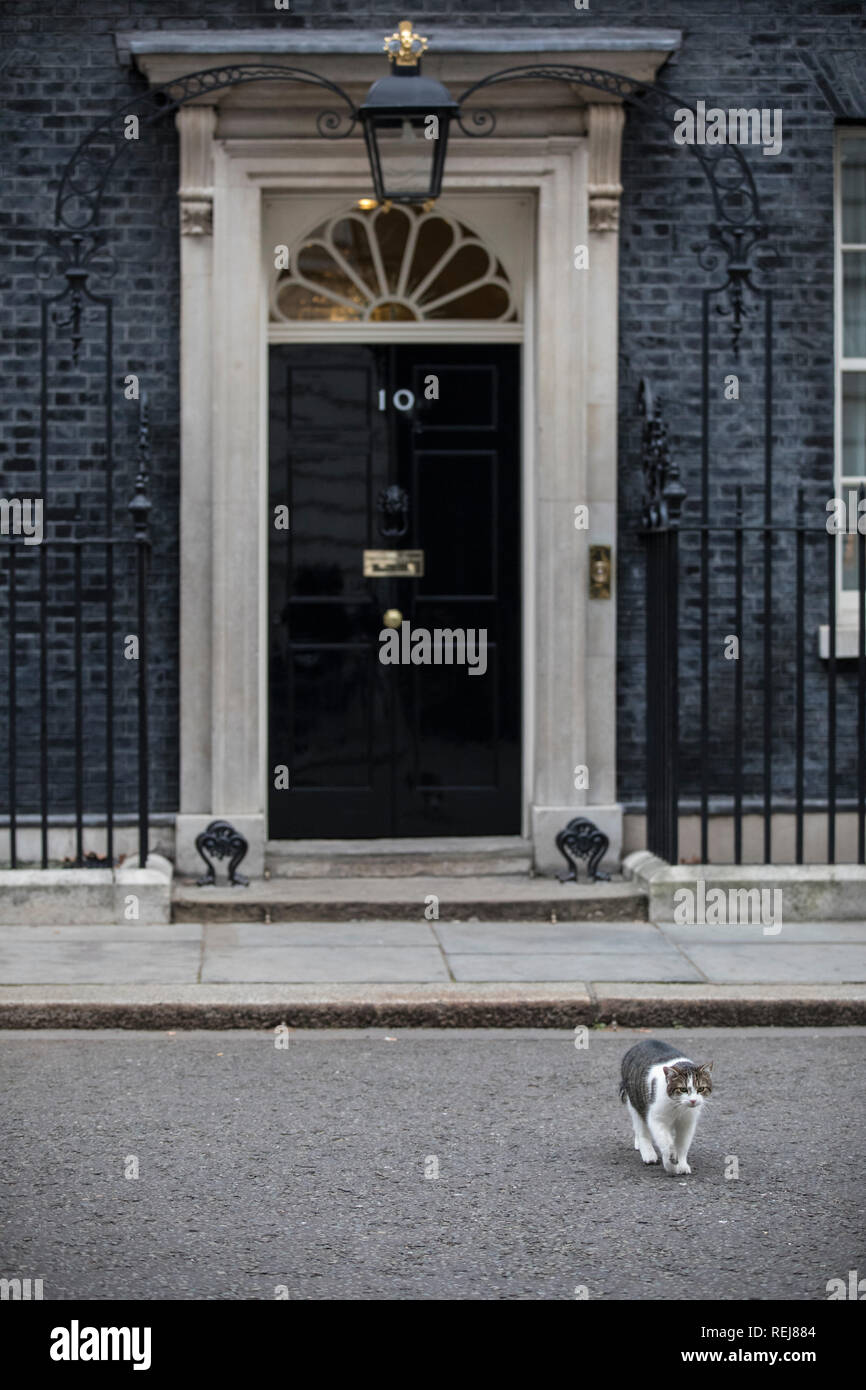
(196, 126)
(222, 775)
(606, 122)
(238, 351)
(577, 466)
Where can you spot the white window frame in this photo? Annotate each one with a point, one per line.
(846, 599)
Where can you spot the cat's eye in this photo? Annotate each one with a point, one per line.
(703, 1090)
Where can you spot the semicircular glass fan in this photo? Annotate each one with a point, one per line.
(396, 264)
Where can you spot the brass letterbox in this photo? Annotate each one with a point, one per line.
(393, 564)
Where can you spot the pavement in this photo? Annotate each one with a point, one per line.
(419, 973)
(401, 1164)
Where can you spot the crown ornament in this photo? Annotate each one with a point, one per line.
(404, 47)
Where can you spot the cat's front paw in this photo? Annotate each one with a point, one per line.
(682, 1168)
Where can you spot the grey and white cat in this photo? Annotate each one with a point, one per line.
(665, 1094)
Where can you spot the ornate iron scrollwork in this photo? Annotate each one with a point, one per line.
(84, 179)
(738, 227)
(664, 494)
(393, 509)
(582, 839)
(733, 248)
(221, 839)
(76, 256)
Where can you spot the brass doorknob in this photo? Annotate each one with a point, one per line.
(392, 617)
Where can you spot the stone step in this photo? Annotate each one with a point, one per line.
(491, 898)
(445, 857)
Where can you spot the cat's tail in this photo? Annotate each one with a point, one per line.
(622, 1092)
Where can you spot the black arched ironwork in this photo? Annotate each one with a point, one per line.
(83, 182)
(738, 228)
(632, 93)
(732, 237)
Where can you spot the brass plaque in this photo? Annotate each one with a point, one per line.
(393, 564)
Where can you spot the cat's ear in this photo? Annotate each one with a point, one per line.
(707, 1067)
(667, 1070)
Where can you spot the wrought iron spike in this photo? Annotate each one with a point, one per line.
(140, 505)
(664, 493)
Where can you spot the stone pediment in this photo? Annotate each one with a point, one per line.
(355, 58)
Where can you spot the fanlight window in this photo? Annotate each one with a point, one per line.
(390, 265)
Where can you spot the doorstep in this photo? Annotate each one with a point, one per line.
(489, 898)
(444, 857)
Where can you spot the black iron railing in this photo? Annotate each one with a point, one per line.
(75, 614)
(744, 704)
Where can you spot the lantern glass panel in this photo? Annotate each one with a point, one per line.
(405, 158)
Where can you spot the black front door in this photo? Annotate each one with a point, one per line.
(389, 449)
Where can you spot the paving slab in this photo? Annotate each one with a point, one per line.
(100, 933)
(396, 936)
(809, 963)
(824, 932)
(320, 964)
(100, 962)
(547, 938)
(660, 964)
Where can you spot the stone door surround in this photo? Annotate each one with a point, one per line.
(561, 146)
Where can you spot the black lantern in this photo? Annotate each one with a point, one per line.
(406, 118)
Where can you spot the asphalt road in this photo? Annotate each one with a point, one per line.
(305, 1167)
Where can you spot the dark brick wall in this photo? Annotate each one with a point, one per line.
(739, 55)
(60, 75)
